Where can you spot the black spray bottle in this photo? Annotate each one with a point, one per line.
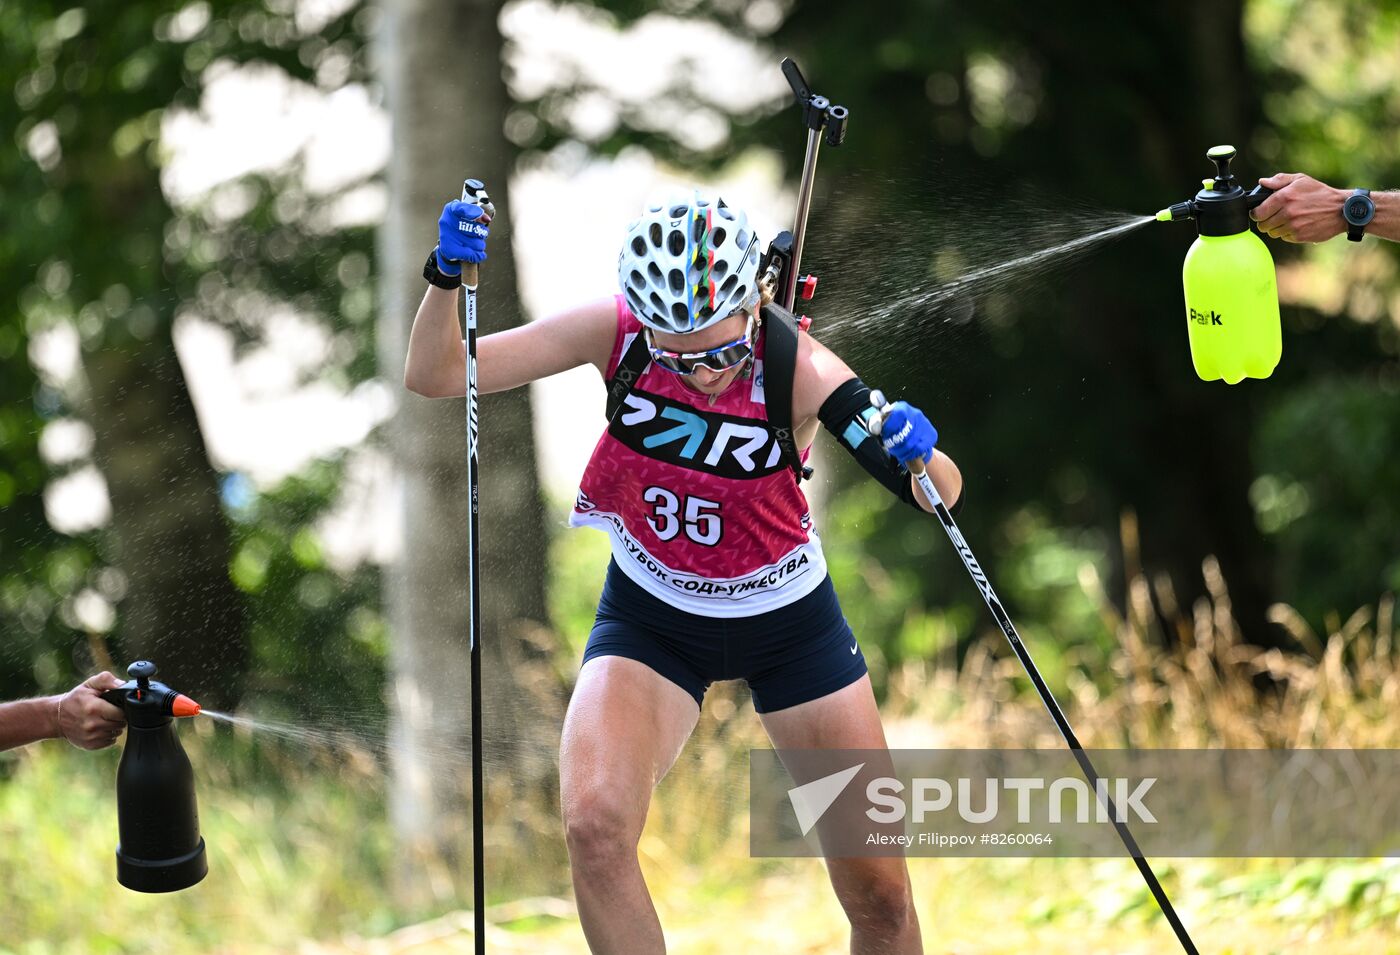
(160, 848)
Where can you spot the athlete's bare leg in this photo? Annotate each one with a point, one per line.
(874, 892)
(625, 727)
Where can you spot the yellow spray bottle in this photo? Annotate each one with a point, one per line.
(1231, 292)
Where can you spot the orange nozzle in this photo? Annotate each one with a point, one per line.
(184, 706)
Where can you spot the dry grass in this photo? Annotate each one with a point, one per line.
(1191, 685)
(305, 858)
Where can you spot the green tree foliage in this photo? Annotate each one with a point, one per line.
(318, 640)
(1326, 487)
(40, 571)
(91, 242)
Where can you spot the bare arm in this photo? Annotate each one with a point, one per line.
(80, 715)
(436, 366)
(819, 373)
(27, 721)
(1302, 209)
(1386, 224)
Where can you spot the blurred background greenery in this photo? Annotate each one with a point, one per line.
(1121, 506)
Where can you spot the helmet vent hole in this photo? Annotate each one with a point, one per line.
(706, 311)
(724, 211)
(639, 245)
(719, 271)
(697, 229)
(637, 279)
(655, 233)
(675, 242)
(654, 271)
(717, 238)
(677, 211)
(658, 303)
(679, 313)
(635, 303)
(727, 288)
(743, 239)
(677, 281)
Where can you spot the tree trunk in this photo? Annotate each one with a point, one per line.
(168, 530)
(440, 62)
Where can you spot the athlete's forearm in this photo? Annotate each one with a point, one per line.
(27, 721)
(947, 479)
(436, 366)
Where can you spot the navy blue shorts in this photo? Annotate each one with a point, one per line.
(788, 656)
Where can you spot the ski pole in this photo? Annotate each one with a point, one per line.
(920, 472)
(474, 191)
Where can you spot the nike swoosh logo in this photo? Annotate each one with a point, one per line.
(853, 649)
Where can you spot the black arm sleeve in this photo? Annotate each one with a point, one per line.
(846, 414)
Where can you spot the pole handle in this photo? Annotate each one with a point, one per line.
(474, 191)
(875, 424)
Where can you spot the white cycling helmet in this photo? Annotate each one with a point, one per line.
(688, 263)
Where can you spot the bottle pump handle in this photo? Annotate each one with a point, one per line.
(1221, 156)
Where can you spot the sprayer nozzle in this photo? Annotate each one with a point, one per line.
(184, 706)
(1177, 211)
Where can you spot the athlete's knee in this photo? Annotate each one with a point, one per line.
(879, 902)
(601, 829)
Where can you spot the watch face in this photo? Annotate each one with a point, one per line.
(1358, 210)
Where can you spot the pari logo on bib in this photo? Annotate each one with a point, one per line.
(726, 445)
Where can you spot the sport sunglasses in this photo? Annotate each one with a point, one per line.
(722, 358)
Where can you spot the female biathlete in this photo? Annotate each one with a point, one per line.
(717, 572)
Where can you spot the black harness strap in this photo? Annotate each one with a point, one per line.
(634, 361)
(779, 368)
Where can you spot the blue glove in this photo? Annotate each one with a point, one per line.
(907, 433)
(460, 237)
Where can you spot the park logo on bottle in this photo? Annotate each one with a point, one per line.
(1206, 318)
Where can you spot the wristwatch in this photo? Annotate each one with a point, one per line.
(1358, 210)
(450, 282)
